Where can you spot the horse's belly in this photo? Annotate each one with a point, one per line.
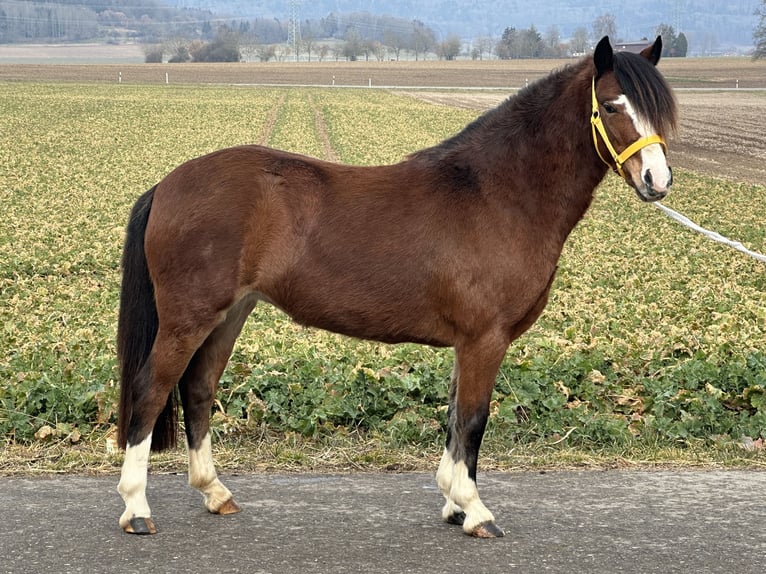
(387, 322)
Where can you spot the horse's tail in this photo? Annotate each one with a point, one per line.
(136, 331)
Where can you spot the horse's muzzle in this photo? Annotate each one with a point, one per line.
(648, 190)
(649, 195)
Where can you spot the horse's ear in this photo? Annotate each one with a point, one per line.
(603, 56)
(653, 52)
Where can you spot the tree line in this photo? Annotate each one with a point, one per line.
(364, 36)
(759, 33)
(336, 36)
(181, 35)
(20, 21)
(530, 43)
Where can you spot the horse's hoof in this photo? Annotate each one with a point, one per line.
(456, 518)
(487, 530)
(228, 507)
(140, 525)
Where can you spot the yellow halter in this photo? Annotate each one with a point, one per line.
(619, 159)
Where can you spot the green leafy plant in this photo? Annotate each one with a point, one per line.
(653, 334)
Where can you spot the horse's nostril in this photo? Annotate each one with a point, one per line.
(648, 180)
(670, 176)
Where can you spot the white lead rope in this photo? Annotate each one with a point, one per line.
(711, 234)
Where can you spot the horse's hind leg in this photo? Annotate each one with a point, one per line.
(198, 386)
(473, 378)
(162, 371)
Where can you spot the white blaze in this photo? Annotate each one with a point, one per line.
(652, 156)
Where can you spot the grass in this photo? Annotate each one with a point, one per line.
(651, 351)
(348, 452)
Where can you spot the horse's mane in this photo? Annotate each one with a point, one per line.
(647, 90)
(524, 111)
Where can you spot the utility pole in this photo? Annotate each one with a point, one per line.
(677, 11)
(294, 28)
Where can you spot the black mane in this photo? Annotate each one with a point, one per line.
(647, 90)
(640, 81)
(521, 112)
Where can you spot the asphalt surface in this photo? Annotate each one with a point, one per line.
(559, 522)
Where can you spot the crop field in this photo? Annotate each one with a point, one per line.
(654, 338)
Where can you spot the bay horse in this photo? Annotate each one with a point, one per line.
(457, 245)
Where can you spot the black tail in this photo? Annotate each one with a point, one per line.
(136, 330)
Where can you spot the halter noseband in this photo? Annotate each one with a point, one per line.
(619, 159)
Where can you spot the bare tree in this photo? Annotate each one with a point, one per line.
(553, 47)
(580, 40)
(266, 52)
(759, 33)
(552, 37)
(248, 48)
(449, 49)
(353, 45)
(605, 25)
(482, 45)
(423, 39)
(378, 50)
(308, 40)
(395, 40)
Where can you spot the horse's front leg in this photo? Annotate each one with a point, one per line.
(473, 378)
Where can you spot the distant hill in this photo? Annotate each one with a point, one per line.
(88, 20)
(710, 25)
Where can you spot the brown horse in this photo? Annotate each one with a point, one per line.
(457, 246)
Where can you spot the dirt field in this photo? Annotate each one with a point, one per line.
(682, 72)
(723, 134)
(722, 128)
(71, 53)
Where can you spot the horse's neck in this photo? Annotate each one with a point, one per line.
(542, 163)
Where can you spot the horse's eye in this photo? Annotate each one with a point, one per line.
(609, 108)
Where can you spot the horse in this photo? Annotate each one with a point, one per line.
(454, 246)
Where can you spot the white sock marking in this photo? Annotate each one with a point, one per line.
(461, 493)
(465, 495)
(444, 481)
(203, 477)
(132, 486)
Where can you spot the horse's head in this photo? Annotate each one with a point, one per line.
(633, 110)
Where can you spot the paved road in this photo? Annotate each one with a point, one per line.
(559, 522)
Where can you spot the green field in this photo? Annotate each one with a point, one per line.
(654, 339)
